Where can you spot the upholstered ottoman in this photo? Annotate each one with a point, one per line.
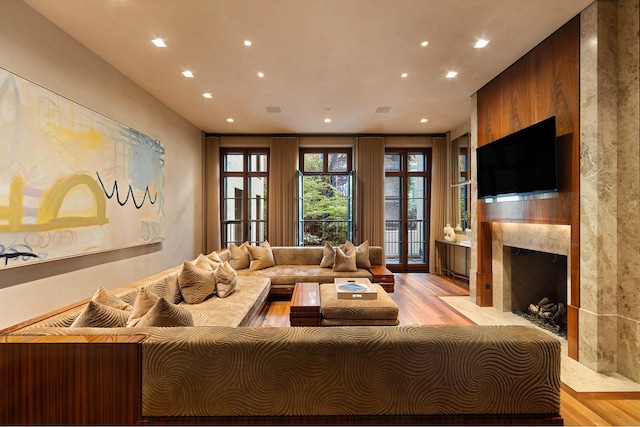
(345, 312)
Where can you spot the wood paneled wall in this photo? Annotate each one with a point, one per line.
(543, 83)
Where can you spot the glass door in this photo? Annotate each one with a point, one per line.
(407, 207)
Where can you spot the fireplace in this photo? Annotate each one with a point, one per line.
(530, 262)
(539, 288)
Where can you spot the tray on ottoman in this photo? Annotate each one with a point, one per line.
(381, 311)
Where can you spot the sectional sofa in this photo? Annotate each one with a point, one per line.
(221, 370)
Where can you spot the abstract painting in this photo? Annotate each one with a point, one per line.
(72, 181)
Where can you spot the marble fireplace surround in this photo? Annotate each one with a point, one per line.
(554, 239)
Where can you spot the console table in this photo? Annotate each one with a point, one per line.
(446, 253)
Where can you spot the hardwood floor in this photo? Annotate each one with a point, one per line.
(417, 296)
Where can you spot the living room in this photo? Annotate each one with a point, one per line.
(596, 212)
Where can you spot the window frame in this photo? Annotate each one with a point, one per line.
(246, 176)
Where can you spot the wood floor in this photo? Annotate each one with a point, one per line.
(417, 296)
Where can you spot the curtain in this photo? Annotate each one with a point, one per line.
(440, 189)
(283, 191)
(370, 190)
(212, 193)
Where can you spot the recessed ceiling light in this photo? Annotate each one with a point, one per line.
(247, 42)
(424, 43)
(451, 74)
(158, 42)
(187, 73)
(404, 75)
(230, 120)
(207, 95)
(424, 120)
(260, 74)
(481, 43)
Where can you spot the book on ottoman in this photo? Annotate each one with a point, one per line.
(355, 289)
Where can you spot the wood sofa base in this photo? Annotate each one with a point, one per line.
(325, 420)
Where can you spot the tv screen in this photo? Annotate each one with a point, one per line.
(520, 163)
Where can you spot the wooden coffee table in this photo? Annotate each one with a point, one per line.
(305, 305)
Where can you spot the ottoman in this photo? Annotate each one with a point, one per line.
(382, 311)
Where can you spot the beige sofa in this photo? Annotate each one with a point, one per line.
(219, 372)
(358, 374)
(302, 264)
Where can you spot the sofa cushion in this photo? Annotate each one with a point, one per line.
(196, 283)
(165, 314)
(345, 261)
(145, 300)
(288, 275)
(261, 256)
(239, 256)
(239, 310)
(95, 315)
(328, 256)
(104, 297)
(226, 280)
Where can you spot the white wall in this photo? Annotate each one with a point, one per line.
(35, 49)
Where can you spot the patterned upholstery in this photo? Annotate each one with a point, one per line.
(222, 371)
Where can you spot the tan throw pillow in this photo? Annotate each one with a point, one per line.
(165, 314)
(145, 299)
(104, 297)
(196, 283)
(226, 280)
(261, 256)
(345, 262)
(204, 262)
(239, 256)
(96, 315)
(362, 255)
(328, 256)
(166, 287)
(213, 256)
(347, 247)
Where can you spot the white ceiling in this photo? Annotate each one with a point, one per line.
(343, 55)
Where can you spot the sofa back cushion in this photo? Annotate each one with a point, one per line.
(312, 255)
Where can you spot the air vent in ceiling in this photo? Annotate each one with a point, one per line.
(383, 109)
(273, 109)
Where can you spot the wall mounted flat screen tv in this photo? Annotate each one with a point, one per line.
(523, 162)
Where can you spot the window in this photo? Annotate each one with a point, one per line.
(244, 195)
(325, 205)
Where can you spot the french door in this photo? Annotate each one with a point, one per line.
(244, 195)
(407, 189)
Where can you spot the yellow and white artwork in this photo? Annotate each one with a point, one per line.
(72, 181)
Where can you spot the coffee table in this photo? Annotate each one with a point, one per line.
(314, 304)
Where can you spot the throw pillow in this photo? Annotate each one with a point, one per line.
(196, 283)
(204, 262)
(328, 256)
(165, 314)
(145, 299)
(261, 256)
(166, 287)
(104, 297)
(347, 247)
(345, 262)
(213, 256)
(95, 315)
(362, 255)
(226, 280)
(239, 256)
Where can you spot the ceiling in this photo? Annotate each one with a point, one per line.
(336, 59)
